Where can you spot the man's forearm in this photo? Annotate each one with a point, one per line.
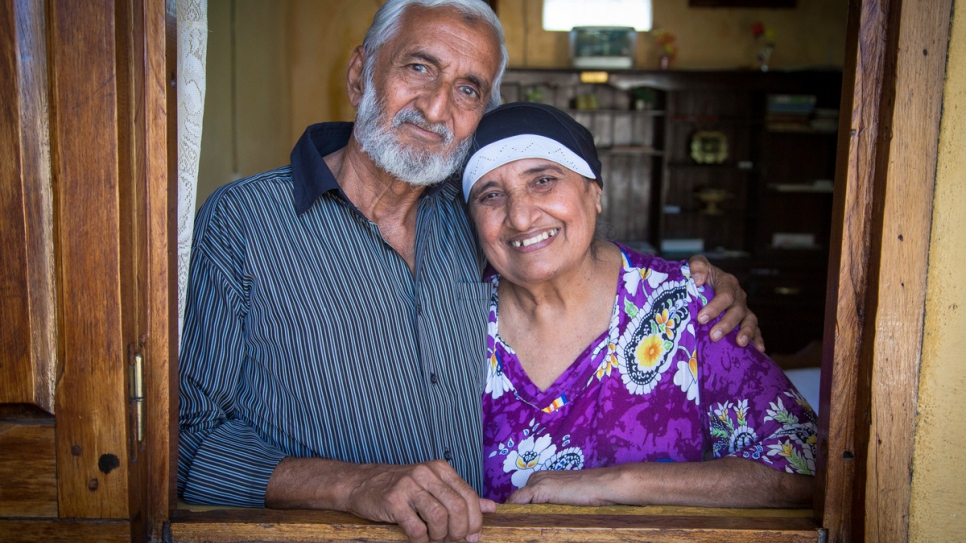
(310, 483)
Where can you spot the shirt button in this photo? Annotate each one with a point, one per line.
(433, 378)
(448, 456)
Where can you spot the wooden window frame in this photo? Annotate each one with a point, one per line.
(888, 146)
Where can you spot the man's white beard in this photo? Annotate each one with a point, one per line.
(413, 165)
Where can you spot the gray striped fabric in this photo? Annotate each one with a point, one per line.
(307, 335)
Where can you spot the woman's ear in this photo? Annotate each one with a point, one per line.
(355, 78)
(597, 191)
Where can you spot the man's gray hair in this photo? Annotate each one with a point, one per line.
(386, 23)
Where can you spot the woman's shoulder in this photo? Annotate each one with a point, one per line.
(675, 270)
(660, 275)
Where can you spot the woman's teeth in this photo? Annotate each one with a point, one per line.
(535, 239)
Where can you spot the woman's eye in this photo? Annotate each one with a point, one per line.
(544, 182)
(489, 197)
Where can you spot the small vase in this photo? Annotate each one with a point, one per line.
(763, 55)
(664, 62)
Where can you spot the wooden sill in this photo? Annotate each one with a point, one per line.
(510, 523)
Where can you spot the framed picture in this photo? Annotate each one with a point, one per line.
(741, 3)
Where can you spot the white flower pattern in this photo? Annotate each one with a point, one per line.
(687, 378)
(529, 457)
(496, 381)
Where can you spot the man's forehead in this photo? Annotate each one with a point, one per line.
(411, 31)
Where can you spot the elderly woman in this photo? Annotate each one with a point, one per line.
(603, 387)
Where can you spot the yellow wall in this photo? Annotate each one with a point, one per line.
(812, 34)
(938, 508)
(287, 67)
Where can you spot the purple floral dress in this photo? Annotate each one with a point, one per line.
(652, 388)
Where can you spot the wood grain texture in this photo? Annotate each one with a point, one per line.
(27, 301)
(132, 230)
(863, 99)
(38, 197)
(91, 396)
(41, 531)
(160, 176)
(904, 254)
(531, 523)
(16, 374)
(28, 470)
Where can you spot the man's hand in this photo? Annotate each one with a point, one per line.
(730, 299)
(429, 501)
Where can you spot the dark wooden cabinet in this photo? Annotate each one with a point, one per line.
(714, 162)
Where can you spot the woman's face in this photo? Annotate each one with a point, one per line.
(535, 218)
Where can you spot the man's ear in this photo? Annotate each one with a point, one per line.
(354, 80)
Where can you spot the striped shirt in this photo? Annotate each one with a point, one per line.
(307, 335)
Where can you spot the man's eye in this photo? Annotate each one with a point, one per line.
(470, 92)
(421, 68)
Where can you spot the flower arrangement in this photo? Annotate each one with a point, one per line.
(766, 43)
(667, 48)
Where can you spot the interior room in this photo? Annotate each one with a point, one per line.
(811, 147)
(760, 85)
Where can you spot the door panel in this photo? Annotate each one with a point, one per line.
(28, 469)
(27, 306)
(84, 230)
(94, 216)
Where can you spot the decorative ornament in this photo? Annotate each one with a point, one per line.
(766, 44)
(667, 49)
(709, 147)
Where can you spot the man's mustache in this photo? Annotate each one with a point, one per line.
(416, 117)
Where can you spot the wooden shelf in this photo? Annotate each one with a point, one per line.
(714, 119)
(631, 150)
(641, 112)
(793, 129)
(800, 188)
(723, 165)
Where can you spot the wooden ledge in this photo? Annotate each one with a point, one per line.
(510, 523)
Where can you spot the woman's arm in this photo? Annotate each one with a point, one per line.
(725, 482)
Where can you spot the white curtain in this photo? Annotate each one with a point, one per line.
(192, 48)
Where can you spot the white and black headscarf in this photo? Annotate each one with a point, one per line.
(528, 130)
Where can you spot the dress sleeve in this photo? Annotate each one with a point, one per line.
(751, 409)
(222, 459)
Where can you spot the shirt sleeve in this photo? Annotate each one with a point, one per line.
(222, 459)
(751, 408)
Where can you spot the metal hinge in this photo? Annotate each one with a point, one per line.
(137, 392)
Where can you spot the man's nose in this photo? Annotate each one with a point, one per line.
(435, 102)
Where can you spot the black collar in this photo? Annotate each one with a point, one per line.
(312, 177)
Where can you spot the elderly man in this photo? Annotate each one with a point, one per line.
(333, 347)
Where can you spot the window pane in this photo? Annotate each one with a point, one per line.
(566, 14)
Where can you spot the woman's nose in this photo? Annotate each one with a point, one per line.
(521, 212)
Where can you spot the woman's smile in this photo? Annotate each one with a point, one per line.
(529, 242)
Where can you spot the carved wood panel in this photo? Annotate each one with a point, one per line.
(27, 301)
